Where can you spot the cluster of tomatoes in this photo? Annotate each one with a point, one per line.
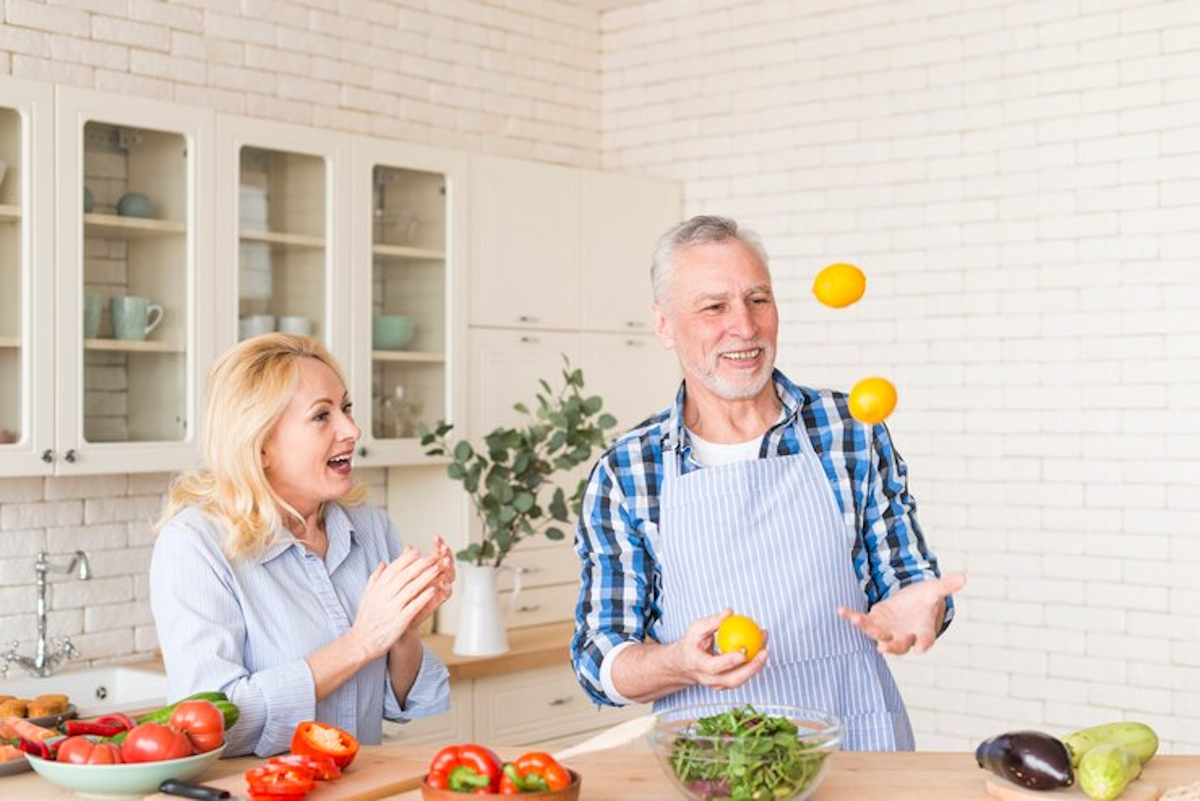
(475, 769)
(320, 752)
(195, 727)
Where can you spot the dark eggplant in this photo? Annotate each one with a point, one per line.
(1028, 758)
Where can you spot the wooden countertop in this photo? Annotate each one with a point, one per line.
(629, 773)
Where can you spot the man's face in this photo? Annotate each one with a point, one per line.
(719, 315)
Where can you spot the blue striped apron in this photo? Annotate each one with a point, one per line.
(766, 537)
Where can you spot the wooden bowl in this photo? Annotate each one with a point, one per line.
(568, 793)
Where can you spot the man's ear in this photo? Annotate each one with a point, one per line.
(663, 328)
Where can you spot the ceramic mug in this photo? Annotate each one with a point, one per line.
(255, 325)
(133, 318)
(296, 324)
(92, 305)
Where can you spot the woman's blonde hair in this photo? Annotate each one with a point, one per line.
(248, 389)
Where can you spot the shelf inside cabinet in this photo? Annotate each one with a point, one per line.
(10, 342)
(115, 225)
(402, 252)
(278, 239)
(407, 356)
(132, 346)
(9, 213)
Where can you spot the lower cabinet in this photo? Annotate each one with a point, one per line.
(544, 706)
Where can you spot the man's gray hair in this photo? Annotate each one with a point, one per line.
(697, 230)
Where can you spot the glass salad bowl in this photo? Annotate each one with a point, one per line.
(722, 751)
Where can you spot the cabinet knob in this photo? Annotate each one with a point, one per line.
(70, 457)
(634, 343)
(634, 324)
(529, 608)
(560, 701)
(530, 340)
(526, 318)
(47, 456)
(362, 450)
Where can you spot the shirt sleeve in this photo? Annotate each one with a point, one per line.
(895, 549)
(615, 584)
(201, 633)
(429, 694)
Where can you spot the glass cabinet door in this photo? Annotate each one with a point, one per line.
(281, 220)
(404, 202)
(26, 278)
(129, 266)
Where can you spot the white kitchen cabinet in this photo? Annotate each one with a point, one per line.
(526, 237)
(281, 232)
(89, 402)
(26, 277)
(621, 219)
(635, 375)
(407, 304)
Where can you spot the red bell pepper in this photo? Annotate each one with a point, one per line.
(271, 782)
(466, 768)
(323, 768)
(316, 739)
(106, 726)
(534, 772)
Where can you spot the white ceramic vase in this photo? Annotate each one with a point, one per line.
(481, 615)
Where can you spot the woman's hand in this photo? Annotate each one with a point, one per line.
(444, 583)
(395, 596)
(909, 618)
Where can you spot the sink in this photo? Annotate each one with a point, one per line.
(95, 690)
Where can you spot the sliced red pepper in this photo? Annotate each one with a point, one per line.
(534, 772)
(316, 739)
(39, 748)
(465, 769)
(279, 781)
(77, 727)
(118, 718)
(323, 768)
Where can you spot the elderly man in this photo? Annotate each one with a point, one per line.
(753, 493)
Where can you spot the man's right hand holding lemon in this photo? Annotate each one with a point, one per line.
(649, 671)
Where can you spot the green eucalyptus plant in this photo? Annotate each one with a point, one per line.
(507, 478)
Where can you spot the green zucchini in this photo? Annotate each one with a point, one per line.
(227, 707)
(1106, 770)
(1137, 738)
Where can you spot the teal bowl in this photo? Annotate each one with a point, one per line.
(134, 204)
(122, 781)
(391, 331)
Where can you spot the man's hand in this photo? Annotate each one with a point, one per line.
(695, 659)
(910, 618)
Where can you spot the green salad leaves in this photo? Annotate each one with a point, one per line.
(744, 755)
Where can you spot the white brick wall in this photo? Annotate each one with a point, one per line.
(1018, 181)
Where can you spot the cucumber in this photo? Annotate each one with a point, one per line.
(1137, 738)
(1106, 770)
(227, 707)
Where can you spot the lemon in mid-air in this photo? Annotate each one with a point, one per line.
(872, 400)
(839, 285)
(739, 633)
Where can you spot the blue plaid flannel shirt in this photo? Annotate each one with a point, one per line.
(621, 584)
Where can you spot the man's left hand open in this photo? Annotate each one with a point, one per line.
(910, 618)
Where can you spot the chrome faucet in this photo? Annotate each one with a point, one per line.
(43, 662)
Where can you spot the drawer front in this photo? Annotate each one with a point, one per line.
(541, 567)
(538, 605)
(452, 727)
(539, 706)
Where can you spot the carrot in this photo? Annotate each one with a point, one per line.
(10, 753)
(30, 731)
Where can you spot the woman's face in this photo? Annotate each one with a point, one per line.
(308, 454)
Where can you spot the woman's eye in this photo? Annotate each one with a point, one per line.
(320, 417)
(348, 409)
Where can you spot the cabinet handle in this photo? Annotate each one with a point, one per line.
(561, 701)
(634, 324)
(635, 343)
(525, 571)
(362, 450)
(526, 318)
(70, 457)
(529, 608)
(47, 456)
(530, 340)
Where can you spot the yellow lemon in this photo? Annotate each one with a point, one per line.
(839, 285)
(872, 400)
(739, 633)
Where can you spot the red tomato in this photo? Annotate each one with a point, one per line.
(202, 722)
(79, 750)
(150, 742)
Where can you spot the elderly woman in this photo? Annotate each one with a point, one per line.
(272, 582)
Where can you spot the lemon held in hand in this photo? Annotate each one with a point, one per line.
(839, 285)
(872, 400)
(739, 633)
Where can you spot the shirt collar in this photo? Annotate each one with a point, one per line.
(338, 529)
(675, 434)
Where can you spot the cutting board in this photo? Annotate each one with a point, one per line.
(373, 774)
(1003, 790)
